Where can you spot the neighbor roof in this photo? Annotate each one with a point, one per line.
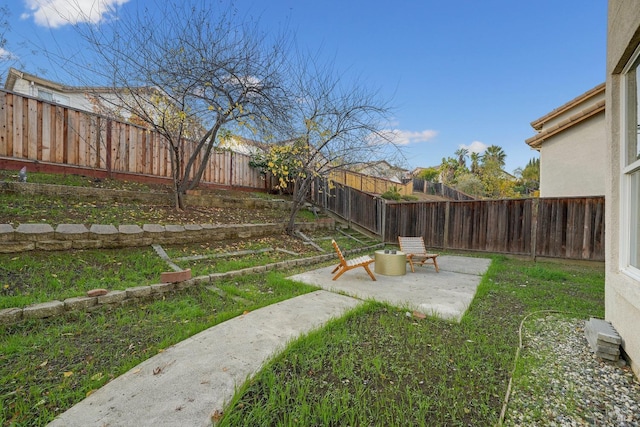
(13, 75)
(588, 111)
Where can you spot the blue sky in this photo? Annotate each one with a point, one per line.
(459, 73)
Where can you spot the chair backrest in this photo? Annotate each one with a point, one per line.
(338, 251)
(412, 245)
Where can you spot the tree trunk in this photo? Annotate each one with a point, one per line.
(208, 139)
(176, 175)
(205, 159)
(299, 192)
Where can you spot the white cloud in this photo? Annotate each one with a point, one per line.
(475, 147)
(5, 55)
(57, 13)
(406, 137)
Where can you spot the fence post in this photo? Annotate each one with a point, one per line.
(586, 236)
(445, 238)
(108, 148)
(325, 189)
(383, 220)
(349, 206)
(535, 206)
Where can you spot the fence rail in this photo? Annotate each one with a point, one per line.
(38, 131)
(571, 228)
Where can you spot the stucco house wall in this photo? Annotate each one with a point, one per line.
(572, 144)
(622, 287)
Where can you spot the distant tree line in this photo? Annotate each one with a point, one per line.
(484, 176)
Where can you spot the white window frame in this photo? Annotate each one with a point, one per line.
(45, 94)
(628, 168)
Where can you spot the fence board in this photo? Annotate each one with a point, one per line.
(58, 134)
(83, 146)
(3, 125)
(94, 142)
(45, 132)
(17, 127)
(25, 129)
(9, 125)
(31, 128)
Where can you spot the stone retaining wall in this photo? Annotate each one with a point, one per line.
(194, 198)
(28, 237)
(95, 194)
(131, 295)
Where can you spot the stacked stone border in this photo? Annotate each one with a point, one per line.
(29, 237)
(132, 295)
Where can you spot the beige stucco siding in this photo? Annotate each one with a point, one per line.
(622, 293)
(572, 163)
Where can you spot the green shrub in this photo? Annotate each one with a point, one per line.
(391, 194)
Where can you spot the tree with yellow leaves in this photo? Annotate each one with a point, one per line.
(284, 161)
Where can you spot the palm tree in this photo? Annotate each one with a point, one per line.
(494, 154)
(462, 154)
(475, 163)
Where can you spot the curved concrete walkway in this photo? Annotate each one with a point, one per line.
(188, 382)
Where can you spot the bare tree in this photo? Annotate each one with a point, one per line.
(334, 124)
(190, 71)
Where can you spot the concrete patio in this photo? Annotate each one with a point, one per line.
(446, 294)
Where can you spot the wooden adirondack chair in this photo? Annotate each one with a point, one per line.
(416, 252)
(362, 261)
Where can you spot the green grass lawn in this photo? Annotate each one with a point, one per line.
(34, 277)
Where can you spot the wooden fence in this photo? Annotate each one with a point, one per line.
(571, 228)
(436, 188)
(37, 131)
(369, 184)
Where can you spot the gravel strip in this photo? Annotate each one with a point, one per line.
(560, 382)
